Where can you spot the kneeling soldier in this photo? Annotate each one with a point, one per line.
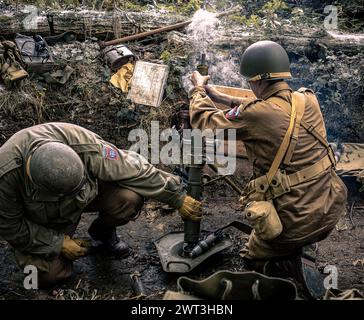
(51, 173)
(295, 197)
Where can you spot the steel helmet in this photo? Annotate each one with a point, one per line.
(56, 168)
(265, 60)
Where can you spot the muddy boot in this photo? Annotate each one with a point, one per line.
(255, 265)
(109, 240)
(302, 268)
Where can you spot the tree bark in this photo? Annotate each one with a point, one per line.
(110, 25)
(104, 25)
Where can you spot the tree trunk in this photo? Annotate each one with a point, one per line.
(111, 25)
(101, 24)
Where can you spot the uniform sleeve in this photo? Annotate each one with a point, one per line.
(21, 233)
(134, 172)
(205, 115)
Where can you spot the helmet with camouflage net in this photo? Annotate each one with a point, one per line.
(56, 168)
(265, 60)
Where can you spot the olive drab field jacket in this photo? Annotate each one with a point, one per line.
(32, 222)
(308, 209)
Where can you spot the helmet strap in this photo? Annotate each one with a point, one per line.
(273, 75)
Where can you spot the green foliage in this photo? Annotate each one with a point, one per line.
(165, 56)
(92, 4)
(178, 6)
(132, 6)
(191, 6)
(271, 8)
(253, 21)
(274, 6)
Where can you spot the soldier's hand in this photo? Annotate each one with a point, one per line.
(71, 249)
(191, 209)
(198, 80)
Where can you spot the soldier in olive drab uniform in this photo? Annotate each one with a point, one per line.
(313, 198)
(51, 173)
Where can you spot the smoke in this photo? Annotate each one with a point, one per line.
(223, 70)
(203, 30)
(202, 33)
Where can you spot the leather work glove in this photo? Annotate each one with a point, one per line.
(243, 201)
(191, 209)
(73, 249)
(83, 243)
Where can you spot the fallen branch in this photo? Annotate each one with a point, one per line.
(163, 29)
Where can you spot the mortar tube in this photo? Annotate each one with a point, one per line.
(192, 228)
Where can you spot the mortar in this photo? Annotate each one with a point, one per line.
(171, 253)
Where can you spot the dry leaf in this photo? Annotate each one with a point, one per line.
(356, 262)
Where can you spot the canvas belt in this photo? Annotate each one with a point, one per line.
(276, 183)
(320, 166)
(309, 172)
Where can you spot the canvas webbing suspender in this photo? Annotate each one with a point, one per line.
(309, 128)
(285, 143)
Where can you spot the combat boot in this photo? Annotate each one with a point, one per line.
(301, 267)
(109, 239)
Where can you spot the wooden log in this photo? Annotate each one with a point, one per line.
(110, 25)
(172, 27)
(101, 24)
(301, 42)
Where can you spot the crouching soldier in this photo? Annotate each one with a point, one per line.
(51, 173)
(295, 197)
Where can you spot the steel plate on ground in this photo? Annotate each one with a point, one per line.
(170, 246)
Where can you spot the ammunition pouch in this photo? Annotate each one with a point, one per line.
(11, 66)
(259, 189)
(11, 73)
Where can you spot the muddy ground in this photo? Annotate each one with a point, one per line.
(89, 100)
(103, 277)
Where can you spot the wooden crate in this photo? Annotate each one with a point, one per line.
(148, 83)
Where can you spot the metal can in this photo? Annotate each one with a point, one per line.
(117, 56)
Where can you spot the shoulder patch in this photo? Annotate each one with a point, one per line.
(303, 89)
(233, 113)
(110, 153)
